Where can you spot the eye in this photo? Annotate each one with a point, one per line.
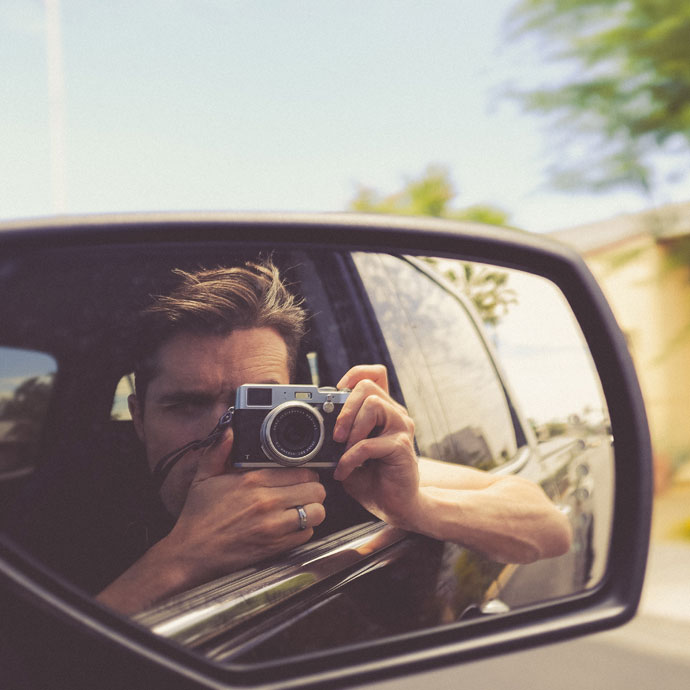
(188, 406)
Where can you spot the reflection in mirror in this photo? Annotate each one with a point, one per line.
(474, 461)
(26, 381)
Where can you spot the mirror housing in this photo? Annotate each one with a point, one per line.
(47, 621)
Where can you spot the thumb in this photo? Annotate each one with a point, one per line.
(213, 460)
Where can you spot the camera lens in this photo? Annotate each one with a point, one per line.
(292, 433)
(295, 431)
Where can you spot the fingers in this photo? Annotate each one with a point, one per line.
(314, 514)
(268, 493)
(374, 372)
(281, 476)
(373, 425)
(275, 522)
(368, 407)
(391, 449)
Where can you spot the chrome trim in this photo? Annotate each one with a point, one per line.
(199, 615)
(516, 464)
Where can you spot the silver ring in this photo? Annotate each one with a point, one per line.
(302, 516)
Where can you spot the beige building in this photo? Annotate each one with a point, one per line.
(642, 262)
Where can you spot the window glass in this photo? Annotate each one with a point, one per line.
(451, 387)
(26, 382)
(125, 388)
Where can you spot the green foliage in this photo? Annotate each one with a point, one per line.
(631, 97)
(430, 194)
(481, 213)
(488, 289)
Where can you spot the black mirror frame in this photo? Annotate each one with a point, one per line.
(90, 638)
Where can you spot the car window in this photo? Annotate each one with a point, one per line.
(26, 381)
(120, 408)
(451, 386)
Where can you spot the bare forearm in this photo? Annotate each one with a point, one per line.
(510, 521)
(151, 579)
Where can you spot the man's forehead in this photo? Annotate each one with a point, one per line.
(198, 361)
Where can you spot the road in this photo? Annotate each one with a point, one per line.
(652, 652)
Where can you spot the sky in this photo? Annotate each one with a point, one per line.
(544, 356)
(285, 105)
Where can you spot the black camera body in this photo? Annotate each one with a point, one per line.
(286, 426)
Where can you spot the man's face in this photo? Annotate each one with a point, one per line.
(194, 384)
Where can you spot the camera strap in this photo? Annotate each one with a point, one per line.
(167, 462)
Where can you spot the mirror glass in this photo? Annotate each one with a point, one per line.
(26, 381)
(498, 497)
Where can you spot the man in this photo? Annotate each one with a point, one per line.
(223, 328)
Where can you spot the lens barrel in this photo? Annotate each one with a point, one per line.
(292, 433)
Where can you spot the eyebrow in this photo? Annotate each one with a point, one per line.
(185, 396)
(191, 395)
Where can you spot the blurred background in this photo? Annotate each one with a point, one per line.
(564, 117)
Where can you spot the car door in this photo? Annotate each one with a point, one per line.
(456, 391)
(453, 391)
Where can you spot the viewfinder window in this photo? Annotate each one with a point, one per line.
(259, 396)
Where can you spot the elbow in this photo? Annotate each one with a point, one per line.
(553, 540)
(561, 537)
(556, 539)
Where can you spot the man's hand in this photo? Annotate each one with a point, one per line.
(230, 519)
(506, 518)
(234, 518)
(379, 466)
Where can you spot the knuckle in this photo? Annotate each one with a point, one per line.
(252, 479)
(403, 443)
(380, 371)
(264, 501)
(258, 531)
(371, 402)
(366, 386)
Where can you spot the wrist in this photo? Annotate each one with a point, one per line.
(422, 515)
(168, 566)
(157, 575)
(441, 513)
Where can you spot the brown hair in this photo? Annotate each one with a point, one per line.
(216, 302)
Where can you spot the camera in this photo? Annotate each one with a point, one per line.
(287, 425)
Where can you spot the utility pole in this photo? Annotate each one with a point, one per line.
(56, 105)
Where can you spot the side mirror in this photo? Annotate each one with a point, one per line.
(501, 346)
